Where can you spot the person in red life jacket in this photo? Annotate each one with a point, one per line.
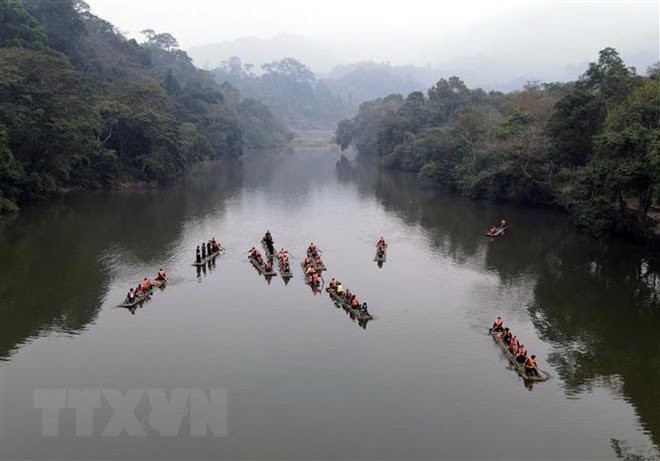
(498, 325)
(521, 356)
(513, 343)
(354, 302)
(161, 276)
(530, 366)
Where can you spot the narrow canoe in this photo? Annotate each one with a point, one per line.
(520, 368)
(383, 258)
(149, 292)
(499, 231)
(269, 255)
(356, 313)
(261, 267)
(207, 259)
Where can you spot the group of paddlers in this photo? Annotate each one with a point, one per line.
(145, 286)
(380, 247)
(352, 300)
(283, 258)
(207, 249)
(518, 350)
(312, 265)
(259, 260)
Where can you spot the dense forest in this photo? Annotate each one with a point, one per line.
(81, 106)
(591, 146)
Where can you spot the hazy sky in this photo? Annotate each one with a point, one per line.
(410, 31)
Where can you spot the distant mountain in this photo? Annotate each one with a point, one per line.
(257, 51)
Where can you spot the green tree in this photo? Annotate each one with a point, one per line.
(19, 28)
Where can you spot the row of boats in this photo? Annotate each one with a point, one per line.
(312, 267)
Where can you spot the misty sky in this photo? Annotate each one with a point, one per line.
(522, 34)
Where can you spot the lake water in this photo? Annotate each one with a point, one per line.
(287, 374)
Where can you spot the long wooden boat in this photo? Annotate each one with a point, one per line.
(358, 314)
(207, 259)
(520, 368)
(383, 258)
(261, 267)
(269, 255)
(498, 232)
(145, 295)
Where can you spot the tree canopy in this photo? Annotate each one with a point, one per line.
(82, 107)
(590, 146)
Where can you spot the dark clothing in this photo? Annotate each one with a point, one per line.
(531, 371)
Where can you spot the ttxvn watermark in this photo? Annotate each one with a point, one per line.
(134, 412)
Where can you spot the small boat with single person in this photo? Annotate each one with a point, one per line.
(497, 231)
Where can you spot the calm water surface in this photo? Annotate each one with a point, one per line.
(420, 381)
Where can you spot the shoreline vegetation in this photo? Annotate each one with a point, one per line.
(83, 108)
(589, 147)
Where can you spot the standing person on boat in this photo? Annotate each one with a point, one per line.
(381, 243)
(130, 296)
(161, 276)
(198, 256)
(502, 224)
(312, 250)
(268, 240)
(203, 250)
(340, 288)
(498, 325)
(333, 284)
(530, 366)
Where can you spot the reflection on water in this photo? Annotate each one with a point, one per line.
(423, 381)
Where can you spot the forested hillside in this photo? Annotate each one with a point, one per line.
(83, 107)
(591, 146)
(289, 87)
